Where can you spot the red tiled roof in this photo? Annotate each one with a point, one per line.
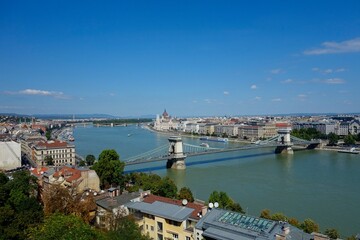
(280, 125)
(37, 172)
(197, 207)
(53, 144)
(70, 174)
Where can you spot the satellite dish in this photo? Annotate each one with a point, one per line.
(211, 205)
(216, 204)
(184, 202)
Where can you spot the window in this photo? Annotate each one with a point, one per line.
(152, 228)
(175, 236)
(159, 226)
(159, 237)
(187, 238)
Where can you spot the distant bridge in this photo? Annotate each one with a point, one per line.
(176, 151)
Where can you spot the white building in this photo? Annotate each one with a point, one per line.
(10, 155)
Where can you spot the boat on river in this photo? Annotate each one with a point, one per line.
(351, 151)
(214, 139)
(204, 145)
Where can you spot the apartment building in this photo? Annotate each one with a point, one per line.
(167, 219)
(62, 153)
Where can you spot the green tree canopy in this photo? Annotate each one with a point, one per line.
(332, 233)
(224, 201)
(185, 193)
(159, 186)
(49, 160)
(64, 227)
(109, 168)
(19, 208)
(333, 139)
(309, 226)
(126, 228)
(90, 159)
(349, 140)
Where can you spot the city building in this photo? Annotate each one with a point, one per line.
(75, 179)
(164, 218)
(10, 155)
(61, 153)
(112, 205)
(222, 224)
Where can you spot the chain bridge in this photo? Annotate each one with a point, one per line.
(176, 151)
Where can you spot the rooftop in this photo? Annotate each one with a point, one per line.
(161, 209)
(110, 203)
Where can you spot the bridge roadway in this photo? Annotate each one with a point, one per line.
(192, 154)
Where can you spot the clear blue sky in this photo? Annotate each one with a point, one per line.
(131, 58)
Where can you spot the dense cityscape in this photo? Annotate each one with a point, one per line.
(180, 120)
(45, 151)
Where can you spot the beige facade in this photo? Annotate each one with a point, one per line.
(61, 152)
(167, 219)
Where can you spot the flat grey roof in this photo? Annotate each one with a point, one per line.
(114, 202)
(161, 209)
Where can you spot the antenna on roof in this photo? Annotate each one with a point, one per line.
(184, 202)
(211, 205)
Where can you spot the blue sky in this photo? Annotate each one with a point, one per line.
(131, 58)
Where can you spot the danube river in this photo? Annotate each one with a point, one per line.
(321, 185)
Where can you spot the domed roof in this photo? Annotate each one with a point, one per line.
(165, 114)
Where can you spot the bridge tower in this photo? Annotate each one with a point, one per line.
(177, 157)
(284, 141)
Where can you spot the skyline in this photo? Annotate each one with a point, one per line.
(192, 58)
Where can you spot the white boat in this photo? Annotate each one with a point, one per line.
(351, 151)
(204, 145)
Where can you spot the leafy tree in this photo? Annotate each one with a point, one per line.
(352, 237)
(332, 233)
(58, 199)
(109, 168)
(19, 209)
(349, 140)
(185, 193)
(265, 214)
(309, 226)
(125, 229)
(49, 160)
(333, 139)
(64, 227)
(90, 159)
(224, 201)
(48, 134)
(82, 163)
(167, 188)
(278, 217)
(294, 222)
(159, 186)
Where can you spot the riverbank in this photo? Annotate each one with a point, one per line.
(182, 134)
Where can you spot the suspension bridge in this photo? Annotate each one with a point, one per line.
(176, 151)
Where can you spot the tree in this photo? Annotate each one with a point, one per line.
(48, 134)
(265, 214)
(90, 159)
(82, 163)
(19, 208)
(49, 160)
(58, 199)
(109, 168)
(167, 188)
(332, 233)
(309, 226)
(125, 229)
(63, 227)
(185, 193)
(224, 201)
(349, 140)
(333, 139)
